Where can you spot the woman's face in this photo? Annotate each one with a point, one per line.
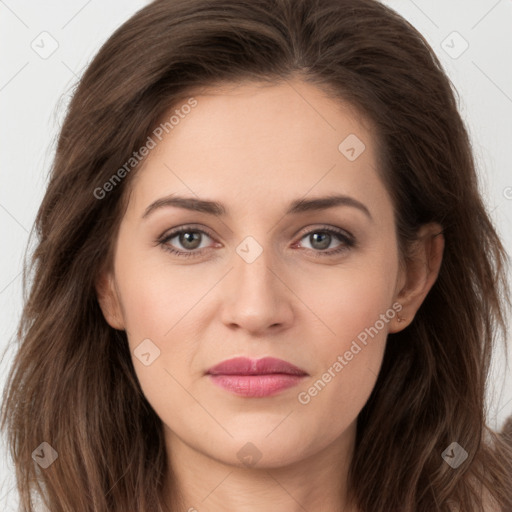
(265, 272)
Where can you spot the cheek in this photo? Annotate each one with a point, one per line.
(158, 302)
(351, 298)
(156, 296)
(357, 307)
(148, 309)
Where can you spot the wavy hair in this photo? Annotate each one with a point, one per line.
(72, 382)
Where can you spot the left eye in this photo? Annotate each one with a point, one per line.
(189, 239)
(319, 239)
(323, 239)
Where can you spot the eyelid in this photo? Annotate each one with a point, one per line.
(324, 227)
(170, 233)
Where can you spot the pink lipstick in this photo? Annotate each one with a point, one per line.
(255, 378)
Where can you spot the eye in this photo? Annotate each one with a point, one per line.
(189, 238)
(321, 239)
(190, 241)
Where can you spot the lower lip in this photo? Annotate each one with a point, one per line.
(256, 386)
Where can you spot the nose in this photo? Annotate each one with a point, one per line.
(257, 298)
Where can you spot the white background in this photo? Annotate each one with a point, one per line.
(34, 92)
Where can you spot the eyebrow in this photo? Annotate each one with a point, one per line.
(217, 209)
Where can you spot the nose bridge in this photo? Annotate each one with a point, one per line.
(256, 298)
(254, 281)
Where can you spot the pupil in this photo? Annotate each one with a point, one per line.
(187, 240)
(325, 239)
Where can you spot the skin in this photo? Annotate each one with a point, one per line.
(254, 149)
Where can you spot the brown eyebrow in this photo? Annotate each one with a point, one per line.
(217, 209)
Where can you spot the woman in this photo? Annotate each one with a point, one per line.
(265, 277)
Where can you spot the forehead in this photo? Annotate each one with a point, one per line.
(259, 143)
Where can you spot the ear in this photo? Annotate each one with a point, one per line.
(108, 299)
(418, 274)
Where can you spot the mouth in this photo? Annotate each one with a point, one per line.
(255, 378)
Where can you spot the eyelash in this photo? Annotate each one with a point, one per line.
(348, 241)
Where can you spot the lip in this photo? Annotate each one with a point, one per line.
(255, 377)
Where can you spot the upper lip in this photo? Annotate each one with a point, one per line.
(246, 366)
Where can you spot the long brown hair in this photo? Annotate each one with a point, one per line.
(72, 383)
